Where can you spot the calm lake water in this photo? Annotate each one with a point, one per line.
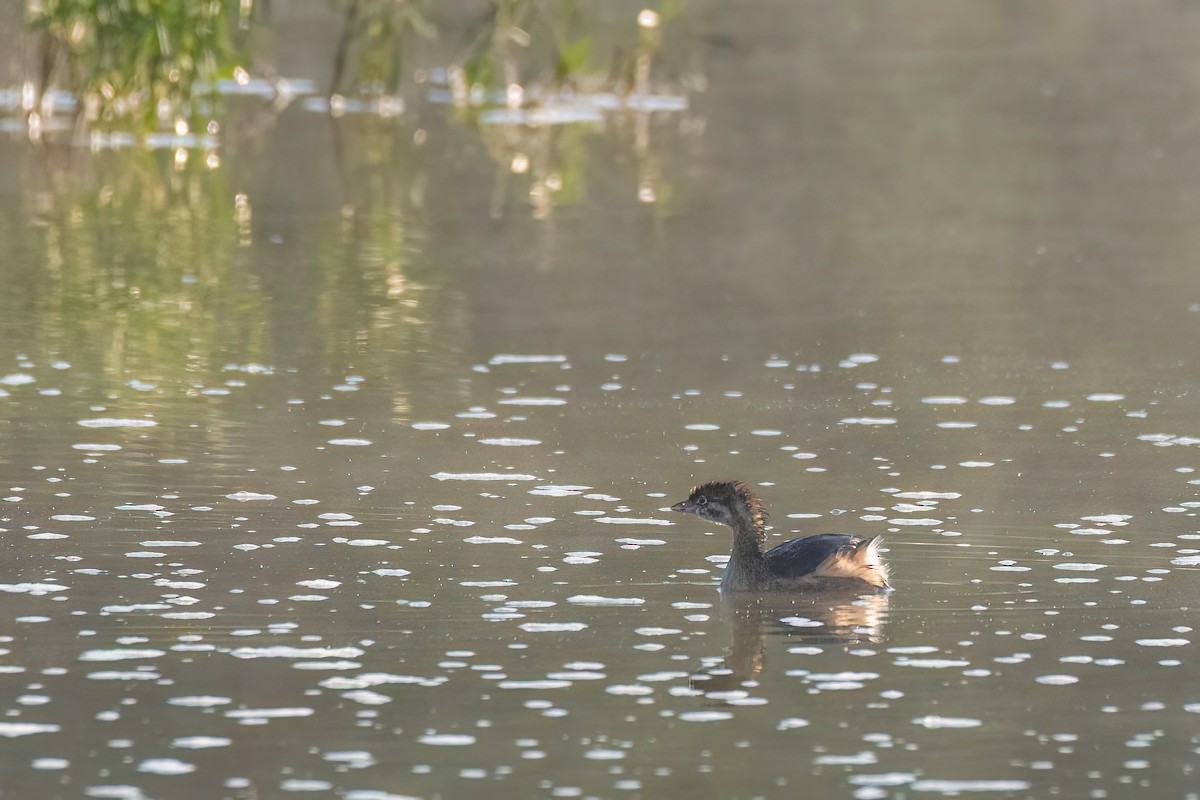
(338, 464)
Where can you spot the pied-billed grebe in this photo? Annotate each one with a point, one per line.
(827, 560)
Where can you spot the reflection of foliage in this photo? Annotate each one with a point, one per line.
(142, 269)
(142, 61)
(137, 272)
(552, 165)
(583, 68)
(539, 62)
(572, 167)
(370, 51)
(555, 159)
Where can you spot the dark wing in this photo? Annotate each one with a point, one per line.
(800, 557)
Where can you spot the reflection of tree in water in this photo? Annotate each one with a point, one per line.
(541, 80)
(542, 84)
(833, 617)
(163, 272)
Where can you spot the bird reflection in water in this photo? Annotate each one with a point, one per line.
(835, 616)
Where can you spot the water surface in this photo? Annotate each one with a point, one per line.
(342, 467)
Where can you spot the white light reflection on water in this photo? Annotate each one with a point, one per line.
(481, 627)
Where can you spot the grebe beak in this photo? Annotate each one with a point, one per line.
(683, 506)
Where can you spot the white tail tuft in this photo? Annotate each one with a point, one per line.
(861, 560)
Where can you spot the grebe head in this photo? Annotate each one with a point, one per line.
(725, 502)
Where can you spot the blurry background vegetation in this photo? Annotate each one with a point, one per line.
(152, 134)
(144, 62)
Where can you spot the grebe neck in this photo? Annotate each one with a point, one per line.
(747, 569)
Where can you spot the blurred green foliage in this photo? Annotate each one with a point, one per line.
(142, 60)
(370, 52)
(526, 41)
(157, 262)
(144, 66)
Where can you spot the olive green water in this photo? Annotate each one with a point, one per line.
(339, 464)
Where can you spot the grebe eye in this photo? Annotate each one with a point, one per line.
(701, 500)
